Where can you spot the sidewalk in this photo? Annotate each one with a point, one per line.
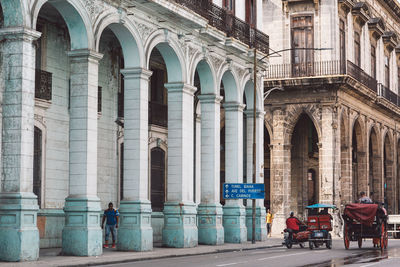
(48, 257)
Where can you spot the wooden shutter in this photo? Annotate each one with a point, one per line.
(157, 179)
(302, 39)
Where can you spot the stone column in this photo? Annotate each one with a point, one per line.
(234, 212)
(280, 172)
(328, 156)
(82, 235)
(261, 229)
(210, 213)
(135, 232)
(180, 228)
(19, 234)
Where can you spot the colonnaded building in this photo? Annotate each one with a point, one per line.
(149, 104)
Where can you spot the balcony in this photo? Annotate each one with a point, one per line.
(43, 85)
(388, 94)
(320, 69)
(158, 114)
(226, 22)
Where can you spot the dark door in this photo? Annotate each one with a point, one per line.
(311, 186)
(37, 165)
(121, 172)
(157, 179)
(302, 44)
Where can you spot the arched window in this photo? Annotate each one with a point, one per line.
(157, 179)
(37, 165)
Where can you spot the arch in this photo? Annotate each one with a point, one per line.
(77, 20)
(15, 13)
(206, 75)
(388, 178)
(375, 163)
(304, 157)
(127, 36)
(293, 116)
(230, 84)
(248, 78)
(171, 53)
(249, 92)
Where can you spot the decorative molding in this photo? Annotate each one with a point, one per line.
(144, 30)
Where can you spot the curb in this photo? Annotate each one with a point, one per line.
(94, 263)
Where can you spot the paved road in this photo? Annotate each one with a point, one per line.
(338, 256)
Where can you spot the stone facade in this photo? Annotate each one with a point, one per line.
(79, 86)
(346, 93)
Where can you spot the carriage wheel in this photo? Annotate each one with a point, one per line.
(383, 240)
(346, 237)
(359, 242)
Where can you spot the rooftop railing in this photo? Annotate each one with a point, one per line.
(227, 22)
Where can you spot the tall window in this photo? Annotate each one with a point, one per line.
(229, 5)
(157, 179)
(387, 71)
(302, 38)
(37, 165)
(342, 44)
(251, 17)
(373, 61)
(357, 49)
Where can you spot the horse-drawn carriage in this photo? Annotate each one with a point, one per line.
(365, 221)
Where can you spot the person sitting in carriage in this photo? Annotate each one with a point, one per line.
(364, 199)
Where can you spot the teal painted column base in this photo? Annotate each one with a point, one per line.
(82, 235)
(135, 232)
(261, 226)
(180, 230)
(234, 222)
(19, 235)
(211, 231)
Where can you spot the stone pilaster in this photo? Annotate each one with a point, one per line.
(328, 156)
(135, 232)
(180, 228)
(18, 204)
(211, 231)
(234, 219)
(280, 172)
(82, 235)
(261, 230)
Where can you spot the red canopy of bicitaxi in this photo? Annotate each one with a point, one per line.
(363, 213)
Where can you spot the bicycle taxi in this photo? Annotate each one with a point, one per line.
(319, 224)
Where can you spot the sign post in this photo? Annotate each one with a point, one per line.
(244, 191)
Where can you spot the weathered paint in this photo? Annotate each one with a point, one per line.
(234, 221)
(211, 231)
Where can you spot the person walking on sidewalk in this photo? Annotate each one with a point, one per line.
(270, 218)
(111, 215)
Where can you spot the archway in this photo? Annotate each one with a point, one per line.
(358, 160)
(397, 183)
(304, 165)
(158, 121)
(375, 183)
(388, 181)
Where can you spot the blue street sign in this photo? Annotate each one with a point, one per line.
(243, 191)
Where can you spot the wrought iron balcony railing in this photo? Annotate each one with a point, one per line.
(388, 94)
(43, 85)
(357, 73)
(225, 21)
(304, 69)
(330, 68)
(158, 114)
